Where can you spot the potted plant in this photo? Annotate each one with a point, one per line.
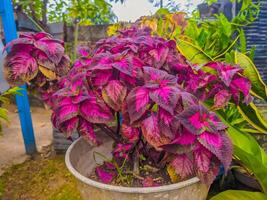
(161, 140)
(163, 132)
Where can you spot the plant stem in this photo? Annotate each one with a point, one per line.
(136, 169)
(118, 123)
(109, 132)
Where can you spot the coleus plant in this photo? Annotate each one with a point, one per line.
(37, 59)
(161, 102)
(164, 101)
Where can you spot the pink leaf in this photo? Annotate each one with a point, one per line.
(101, 77)
(221, 99)
(104, 176)
(186, 138)
(130, 133)
(114, 93)
(202, 159)
(160, 77)
(243, 85)
(183, 166)
(52, 48)
(67, 112)
(149, 182)
(94, 110)
(85, 128)
(137, 102)
(166, 97)
(219, 145)
(151, 132)
(195, 119)
(209, 176)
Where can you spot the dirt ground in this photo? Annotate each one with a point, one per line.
(39, 179)
(12, 149)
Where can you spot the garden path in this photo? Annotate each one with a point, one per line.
(11, 142)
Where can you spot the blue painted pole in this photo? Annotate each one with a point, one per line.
(10, 32)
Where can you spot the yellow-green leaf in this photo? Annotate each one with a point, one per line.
(172, 174)
(238, 195)
(48, 73)
(253, 116)
(193, 53)
(259, 88)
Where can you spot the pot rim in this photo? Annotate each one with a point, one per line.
(123, 189)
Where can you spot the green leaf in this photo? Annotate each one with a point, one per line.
(243, 41)
(228, 49)
(239, 195)
(250, 71)
(162, 11)
(253, 116)
(3, 114)
(249, 152)
(192, 52)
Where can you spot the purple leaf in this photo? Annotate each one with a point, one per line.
(101, 77)
(67, 112)
(20, 67)
(137, 102)
(219, 145)
(202, 158)
(166, 97)
(122, 150)
(183, 166)
(85, 128)
(221, 99)
(243, 85)
(43, 60)
(130, 133)
(149, 182)
(68, 127)
(160, 77)
(186, 138)
(94, 110)
(209, 177)
(52, 48)
(151, 132)
(195, 119)
(114, 93)
(104, 176)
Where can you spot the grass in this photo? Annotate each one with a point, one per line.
(39, 179)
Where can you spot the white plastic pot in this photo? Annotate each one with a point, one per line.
(80, 162)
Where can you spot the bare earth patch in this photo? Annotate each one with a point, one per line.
(39, 179)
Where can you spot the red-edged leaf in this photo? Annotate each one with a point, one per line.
(52, 48)
(166, 97)
(114, 93)
(221, 99)
(151, 132)
(160, 77)
(67, 112)
(183, 166)
(130, 133)
(202, 158)
(86, 129)
(219, 145)
(209, 176)
(68, 127)
(101, 77)
(94, 110)
(195, 119)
